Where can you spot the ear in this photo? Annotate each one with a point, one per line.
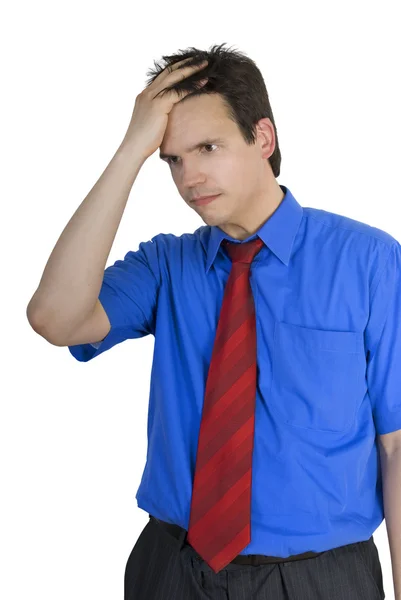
(266, 136)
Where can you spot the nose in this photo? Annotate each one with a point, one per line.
(192, 176)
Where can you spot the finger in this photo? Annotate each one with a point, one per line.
(182, 72)
(177, 75)
(174, 66)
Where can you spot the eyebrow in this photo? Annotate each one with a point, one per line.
(195, 147)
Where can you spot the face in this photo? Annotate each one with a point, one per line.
(239, 173)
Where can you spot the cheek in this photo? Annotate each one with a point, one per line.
(228, 171)
(236, 174)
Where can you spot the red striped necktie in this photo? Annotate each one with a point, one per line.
(219, 525)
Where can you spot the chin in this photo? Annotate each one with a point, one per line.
(212, 219)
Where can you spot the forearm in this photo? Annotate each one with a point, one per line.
(391, 477)
(73, 275)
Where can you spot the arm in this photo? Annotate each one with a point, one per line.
(70, 284)
(73, 276)
(391, 477)
(383, 373)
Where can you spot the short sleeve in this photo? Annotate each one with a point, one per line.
(129, 295)
(383, 342)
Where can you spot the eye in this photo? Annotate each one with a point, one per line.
(208, 145)
(170, 161)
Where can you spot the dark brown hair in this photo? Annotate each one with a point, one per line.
(237, 79)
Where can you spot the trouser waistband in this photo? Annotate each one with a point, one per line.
(244, 559)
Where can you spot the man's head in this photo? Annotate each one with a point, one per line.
(241, 165)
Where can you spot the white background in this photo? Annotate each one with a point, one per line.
(73, 435)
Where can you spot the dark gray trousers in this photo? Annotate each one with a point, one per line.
(161, 567)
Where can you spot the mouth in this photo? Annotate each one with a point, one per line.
(204, 200)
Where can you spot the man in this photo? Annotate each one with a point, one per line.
(274, 412)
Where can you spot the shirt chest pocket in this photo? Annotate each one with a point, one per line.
(318, 377)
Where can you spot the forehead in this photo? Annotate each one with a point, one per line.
(193, 119)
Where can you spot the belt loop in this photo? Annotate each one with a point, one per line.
(182, 538)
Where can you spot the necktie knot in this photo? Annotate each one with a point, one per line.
(242, 252)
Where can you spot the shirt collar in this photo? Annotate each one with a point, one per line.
(278, 232)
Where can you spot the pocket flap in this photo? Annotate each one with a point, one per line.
(323, 339)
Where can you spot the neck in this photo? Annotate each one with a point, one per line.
(263, 207)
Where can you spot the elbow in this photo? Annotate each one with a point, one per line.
(38, 324)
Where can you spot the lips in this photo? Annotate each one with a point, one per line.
(204, 197)
(204, 200)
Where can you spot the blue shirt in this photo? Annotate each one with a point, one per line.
(327, 292)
